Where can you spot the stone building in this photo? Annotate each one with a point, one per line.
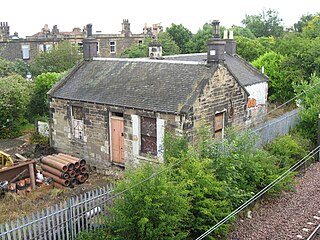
(108, 45)
(115, 112)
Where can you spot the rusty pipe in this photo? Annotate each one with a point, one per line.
(72, 173)
(81, 178)
(57, 159)
(54, 171)
(83, 169)
(78, 171)
(74, 181)
(64, 182)
(82, 161)
(66, 158)
(54, 164)
(86, 176)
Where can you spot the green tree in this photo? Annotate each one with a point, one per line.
(308, 99)
(312, 29)
(180, 35)
(198, 42)
(15, 94)
(17, 66)
(169, 47)
(39, 106)
(265, 24)
(304, 20)
(243, 32)
(61, 58)
(279, 88)
(249, 49)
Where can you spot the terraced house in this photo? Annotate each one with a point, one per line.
(115, 112)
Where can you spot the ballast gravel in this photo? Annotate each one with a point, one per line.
(291, 215)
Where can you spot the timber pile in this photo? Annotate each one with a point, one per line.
(65, 170)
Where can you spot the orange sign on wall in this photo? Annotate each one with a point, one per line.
(252, 102)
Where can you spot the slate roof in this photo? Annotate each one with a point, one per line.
(157, 85)
(245, 73)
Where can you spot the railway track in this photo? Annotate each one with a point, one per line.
(311, 231)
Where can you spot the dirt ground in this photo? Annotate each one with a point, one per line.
(14, 205)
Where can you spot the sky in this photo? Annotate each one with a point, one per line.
(28, 17)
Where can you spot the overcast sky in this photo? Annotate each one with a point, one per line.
(27, 17)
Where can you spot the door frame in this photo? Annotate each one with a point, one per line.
(111, 142)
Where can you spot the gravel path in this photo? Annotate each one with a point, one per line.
(288, 216)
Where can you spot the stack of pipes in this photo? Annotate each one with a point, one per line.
(65, 170)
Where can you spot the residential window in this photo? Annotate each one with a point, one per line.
(112, 46)
(77, 122)
(25, 52)
(149, 135)
(45, 47)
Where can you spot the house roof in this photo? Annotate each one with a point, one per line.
(157, 85)
(245, 73)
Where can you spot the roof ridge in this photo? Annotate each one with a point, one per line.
(147, 60)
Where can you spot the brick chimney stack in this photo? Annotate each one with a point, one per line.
(216, 46)
(90, 45)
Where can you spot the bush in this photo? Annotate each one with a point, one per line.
(15, 93)
(155, 209)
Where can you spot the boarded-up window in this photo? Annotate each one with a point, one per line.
(149, 135)
(77, 122)
(218, 125)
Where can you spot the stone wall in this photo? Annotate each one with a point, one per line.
(222, 94)
(95, 146)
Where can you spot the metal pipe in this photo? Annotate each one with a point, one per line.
(74, 181)
(54, 164)
(57, 159)
(64, 182)
(54, 171)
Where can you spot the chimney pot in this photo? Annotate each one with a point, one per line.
(225, 34)
(89, 30)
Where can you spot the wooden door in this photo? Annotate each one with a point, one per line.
(218, 126)
(117, 140)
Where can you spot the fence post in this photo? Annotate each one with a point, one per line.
(70, 219)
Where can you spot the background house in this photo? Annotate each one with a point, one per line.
(116, 111)
(108, 45)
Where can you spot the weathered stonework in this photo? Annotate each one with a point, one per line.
(95, 146)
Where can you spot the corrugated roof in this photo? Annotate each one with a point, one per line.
(155, 85)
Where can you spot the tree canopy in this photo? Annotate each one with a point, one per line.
(61, 58)
(268, 23)
(180, 35)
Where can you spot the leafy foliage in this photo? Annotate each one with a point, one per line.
(265, 24)
(312, 29)
(198, 42)
(180, 35)
(249, 49)
(15, 93)
(169, 46)
(61, 58)
(39, 103)
(310, 105)
(279, 87)
(155, 209)
(304, 20)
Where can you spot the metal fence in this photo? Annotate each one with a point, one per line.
(92, 210)
(88, 211)
(269, 130)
